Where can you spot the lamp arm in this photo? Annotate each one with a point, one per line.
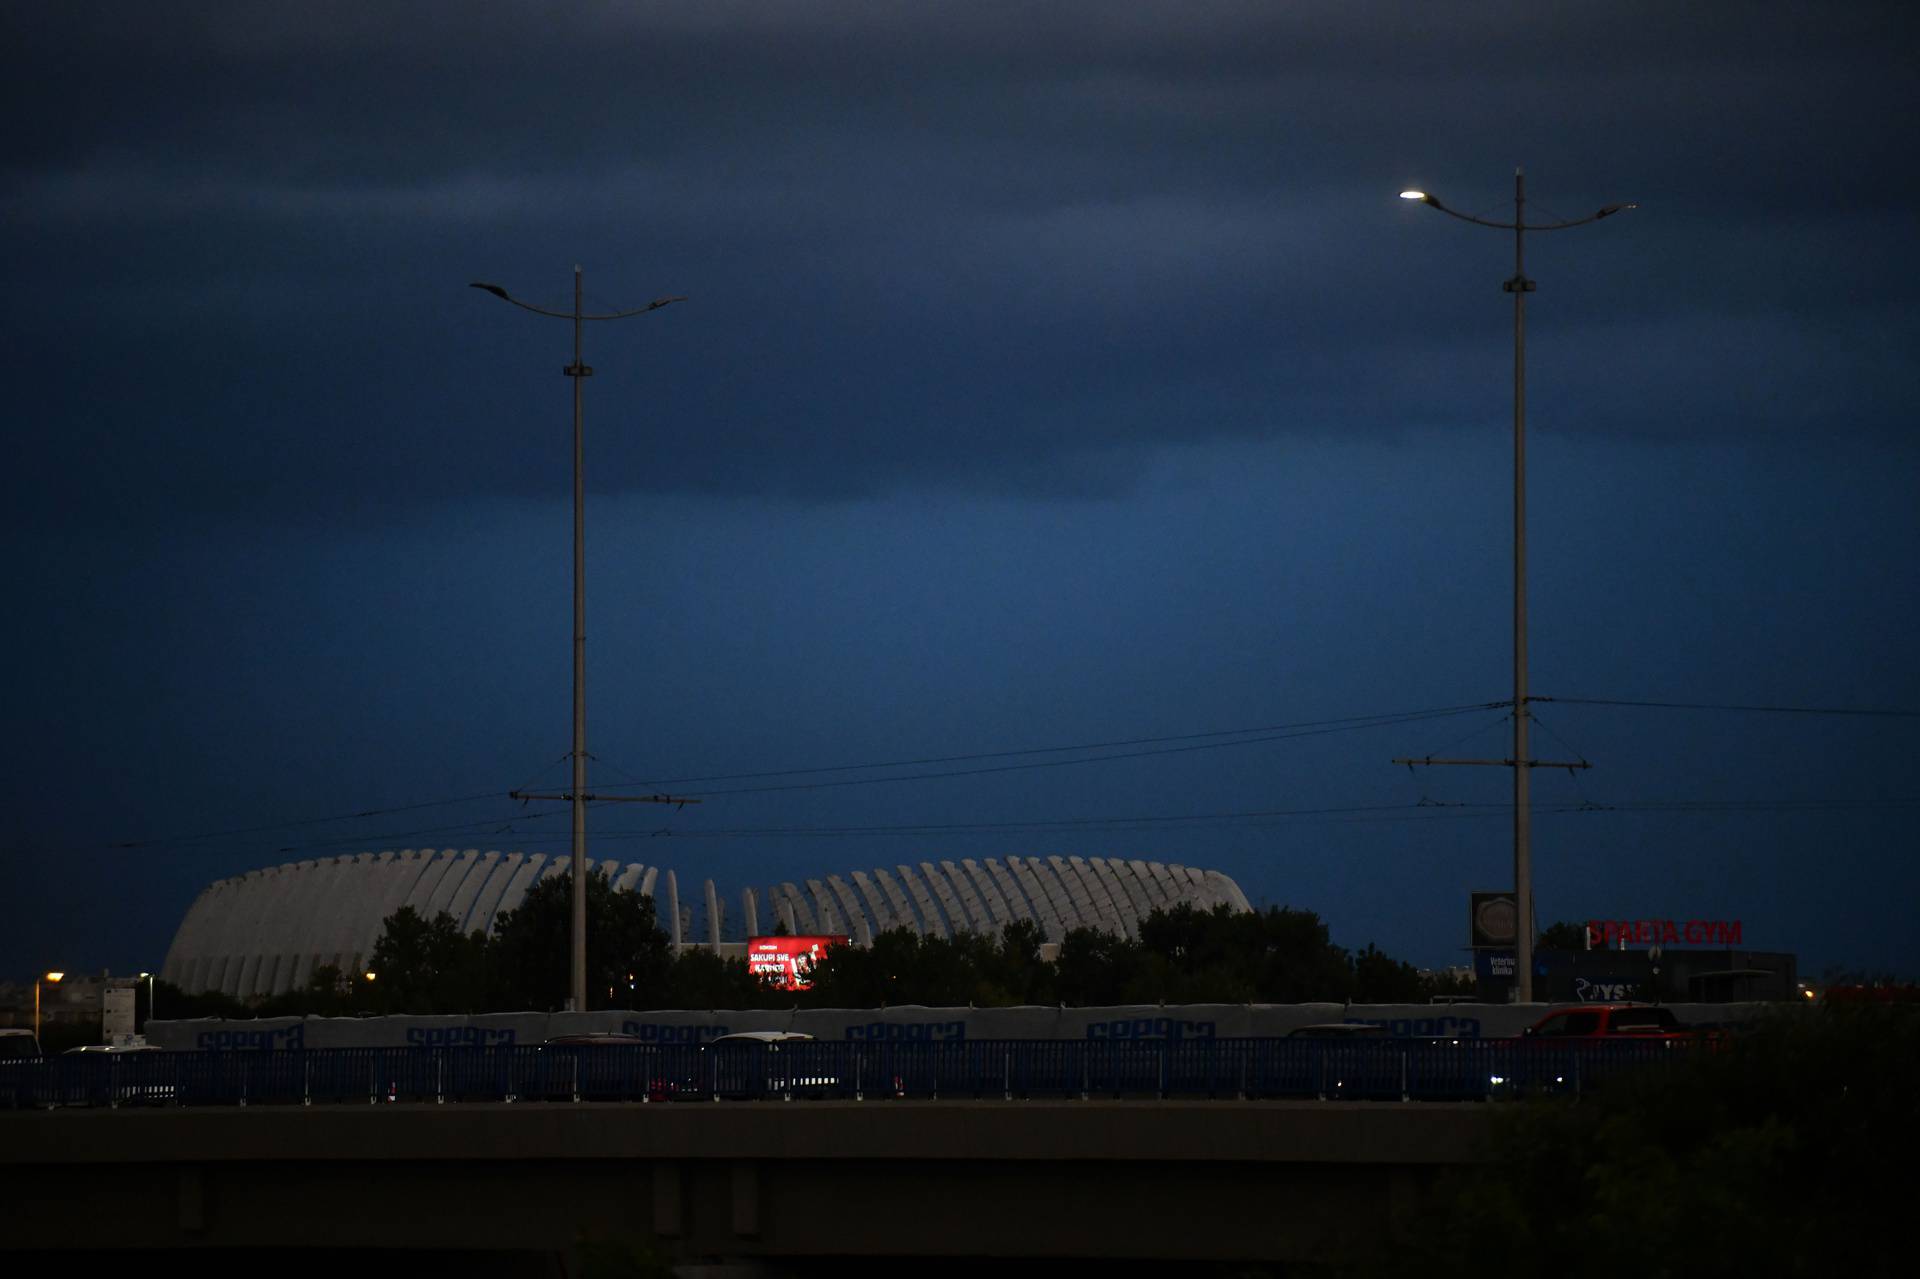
(1607, 212)
(505, 296)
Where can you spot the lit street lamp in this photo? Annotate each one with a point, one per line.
(149, 978)
(1521, 763)
(578, 371)
(50, 979)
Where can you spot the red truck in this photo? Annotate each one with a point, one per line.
(1582, 1045)
(1638, 1022)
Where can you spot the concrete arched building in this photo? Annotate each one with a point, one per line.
(263, 933)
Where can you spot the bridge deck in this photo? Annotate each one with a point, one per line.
(1272, 1180)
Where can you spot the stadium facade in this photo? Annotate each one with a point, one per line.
(264, 932)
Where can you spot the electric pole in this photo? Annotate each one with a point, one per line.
(578, 371)
(1522, 762)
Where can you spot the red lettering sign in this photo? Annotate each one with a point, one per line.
(1609, 933)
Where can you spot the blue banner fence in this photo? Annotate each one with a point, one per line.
(1380, 1070)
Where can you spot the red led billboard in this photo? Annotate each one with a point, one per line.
(785, 961)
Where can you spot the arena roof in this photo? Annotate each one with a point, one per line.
(264, 932)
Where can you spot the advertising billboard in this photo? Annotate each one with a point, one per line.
(116, 1015)
(785, 961)
(1493, 920)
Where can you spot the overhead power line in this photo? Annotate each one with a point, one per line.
(306, 821)
(1322, 728)
(301, 823)
(1329, 725)
(1424, 810)
(1170, 744)
(1887, 712)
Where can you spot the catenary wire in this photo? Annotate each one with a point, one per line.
(1425, 810)
(546, 769)
(1063, 763)
(1239, 734)
(1357, 721)
(1888, 712)
(310, 821)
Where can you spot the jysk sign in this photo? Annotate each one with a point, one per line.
(785, 961)
(1663, 932)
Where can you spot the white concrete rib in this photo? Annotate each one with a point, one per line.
(880, 911)
(302, 935)
(1136, 895)
(978, 921)
(902, 912)
(458, 903)
(1044, 906)
(1077, 892)
(1111, 917)
(486, 903)
(797, 905)
(943, 890)
(997, 913)
(823, 908)
(1018, 908)
(844, 896)
(931, 922)
(1050, 885)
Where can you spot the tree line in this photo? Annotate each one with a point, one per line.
(1776, 1156)
(1182, 955)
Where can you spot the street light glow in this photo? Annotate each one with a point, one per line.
(55, 976)
(1413, 195)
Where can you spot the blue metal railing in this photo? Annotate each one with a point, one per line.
(1378, 1070)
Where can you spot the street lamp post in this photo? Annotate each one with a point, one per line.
(149, 980)
(1521, 762)
(51, 979)
(578, 371)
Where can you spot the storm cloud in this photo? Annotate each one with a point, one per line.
(1049, 373)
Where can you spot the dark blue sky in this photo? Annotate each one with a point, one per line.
(1052, 375)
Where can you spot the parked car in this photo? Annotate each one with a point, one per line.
(1615, 1021)
(128, 1074)
(594, 1063)
(754, 1064)
(1551, 1054)
(20, 1063)
(593, 1039)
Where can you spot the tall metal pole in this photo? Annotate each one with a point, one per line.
(579, 374)
(1522, 762)
(1522, 765)
(578, 796)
